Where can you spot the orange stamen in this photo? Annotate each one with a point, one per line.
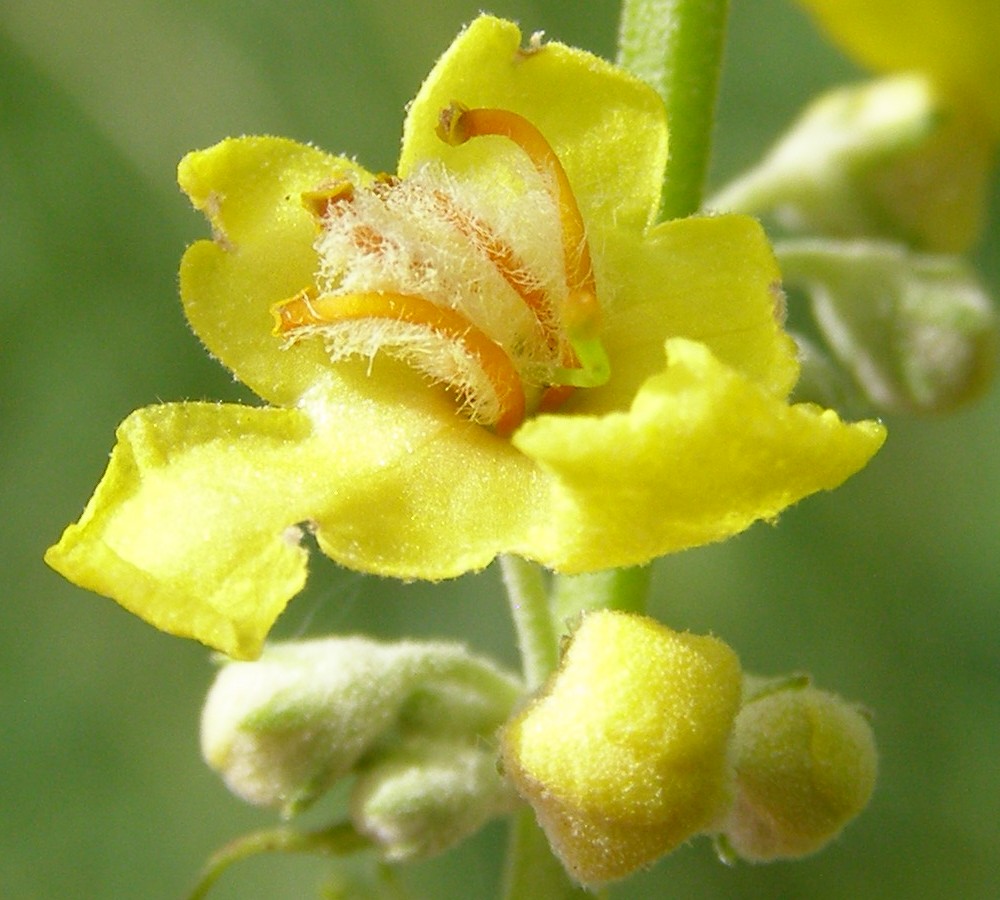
(458, 124)
(507, 263)
(308, 308)
(512, 270)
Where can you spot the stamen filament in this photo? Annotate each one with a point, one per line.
(581, 311)
(503, 257)
(506, 261)
(310, 309)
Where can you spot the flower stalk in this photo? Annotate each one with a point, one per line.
(676, 47)
(529, 606)
(337, 840)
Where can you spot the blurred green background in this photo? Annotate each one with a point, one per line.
(886, 590)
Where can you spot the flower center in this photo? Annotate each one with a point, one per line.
(484, 285)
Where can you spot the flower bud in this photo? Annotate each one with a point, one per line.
(282, 729)
(424, 796)
(880, 159)
(805, 766)
(917, 332)
(624, 754)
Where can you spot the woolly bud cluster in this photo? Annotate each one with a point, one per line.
(411, 720)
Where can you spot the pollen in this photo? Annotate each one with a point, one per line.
(483, 284)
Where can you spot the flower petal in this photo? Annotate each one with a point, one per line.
(191, 526)
(417, 490)
(954, 41)
(607, 127)
(711, 279)
(262, 253)
(702, 454)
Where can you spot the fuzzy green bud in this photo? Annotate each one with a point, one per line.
(879, 159)
(624, 754)
(424, 796)
(282, 729)
(916, 331)
(805, 766)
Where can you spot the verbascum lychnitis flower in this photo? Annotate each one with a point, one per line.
(494, 350)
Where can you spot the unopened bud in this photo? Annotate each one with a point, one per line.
(917, 332)
(282, 729)
(880, 159)
(624, 755)
(805, 766)
(424, 796)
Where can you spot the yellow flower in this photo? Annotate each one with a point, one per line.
(938, 193)
(434, 347)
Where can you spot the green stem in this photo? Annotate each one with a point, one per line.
(676, 47)
(529, 607)
(338, 840)
(623, 589)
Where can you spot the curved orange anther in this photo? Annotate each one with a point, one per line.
(295, 312)
(458, 123)
(308, 308)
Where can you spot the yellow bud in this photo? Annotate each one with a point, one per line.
(624, 755)
(805, 766)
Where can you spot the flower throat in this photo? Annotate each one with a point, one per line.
(458, 281)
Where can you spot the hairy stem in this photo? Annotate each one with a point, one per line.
(676, 47)
(529, 607)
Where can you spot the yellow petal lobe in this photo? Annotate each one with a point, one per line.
(701, 454)
(192, 527)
